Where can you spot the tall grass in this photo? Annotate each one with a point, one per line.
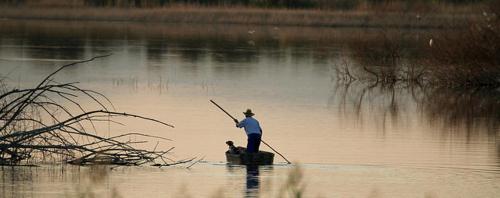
(294, 186)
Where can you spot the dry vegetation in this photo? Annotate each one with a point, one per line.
(471, 56)
(457, 57)
(363, 14)
(48, 123)
(387, 58)
(386, 5)
(237, 16)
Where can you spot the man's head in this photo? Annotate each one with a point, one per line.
(248, 113)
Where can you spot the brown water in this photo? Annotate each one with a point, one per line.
(352, 140)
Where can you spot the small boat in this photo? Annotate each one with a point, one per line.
(239, 156)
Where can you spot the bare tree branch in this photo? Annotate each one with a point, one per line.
(48, 122)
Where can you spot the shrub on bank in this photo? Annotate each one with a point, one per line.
(468, 57)
(457, 57)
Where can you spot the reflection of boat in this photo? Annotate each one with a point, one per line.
(243, 158)
(239, 156)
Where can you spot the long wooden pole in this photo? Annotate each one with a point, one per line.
(260, 140)
(275, 151)
(223, 110)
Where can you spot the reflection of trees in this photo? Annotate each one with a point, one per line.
(155, 49)
(193, 50)
(392, 61)
(45, 47)
(218, 43)
(232, 51)
(473, 111)
(373, 102)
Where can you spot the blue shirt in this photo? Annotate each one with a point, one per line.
(251, 126)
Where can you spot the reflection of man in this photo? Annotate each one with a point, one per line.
(252, 189)
(253, 130)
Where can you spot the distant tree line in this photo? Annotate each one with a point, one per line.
(341, 4)
(322, 4)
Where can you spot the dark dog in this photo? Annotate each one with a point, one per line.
(233, 149)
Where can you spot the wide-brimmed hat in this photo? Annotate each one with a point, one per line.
(248, 112)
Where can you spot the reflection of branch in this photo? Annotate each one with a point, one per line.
(464, 109)
(360, 101)
(357, 97)
(349, 74)
(394, 105)
(467, 109)
(343, 72)
(372, 72)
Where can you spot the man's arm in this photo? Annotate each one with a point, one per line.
(239, 124)
(236, 122)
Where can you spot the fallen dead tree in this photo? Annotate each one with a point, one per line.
(48, 122)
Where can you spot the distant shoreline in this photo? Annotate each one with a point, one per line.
(242, 16)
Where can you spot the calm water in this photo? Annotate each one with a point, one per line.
(352, 140)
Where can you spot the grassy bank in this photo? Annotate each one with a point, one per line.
(248, 16)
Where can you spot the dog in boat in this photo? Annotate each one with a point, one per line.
(233, 149)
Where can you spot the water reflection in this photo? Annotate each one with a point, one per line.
(155, 49)
(15, 177)
(252, 181)
(358, 98)
(472, 111)
(223, 44)
(27, 181)
(169, 72)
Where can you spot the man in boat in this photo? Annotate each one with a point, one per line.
(253, 130)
